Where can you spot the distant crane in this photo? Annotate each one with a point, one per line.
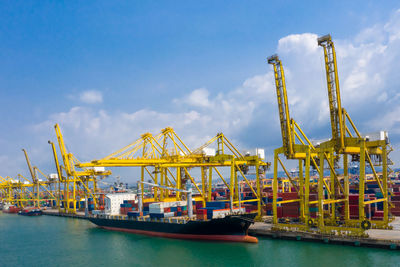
(38, 183)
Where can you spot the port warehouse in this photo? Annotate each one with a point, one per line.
(316, 198)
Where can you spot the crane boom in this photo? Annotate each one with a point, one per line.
(64, 153)
(282, 104)
(332, 79)
(30, 166)
(56, 160)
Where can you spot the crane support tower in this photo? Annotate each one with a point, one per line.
(295, 146)
(347, 141)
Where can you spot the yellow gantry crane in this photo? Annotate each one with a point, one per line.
(304, 152)
(17, 191)
(348, 141)
(59, 176)
(75, 184)
(38, 184)
(307, 154)
(169, 162)
(35, 181)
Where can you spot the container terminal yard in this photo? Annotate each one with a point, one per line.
(343, 190)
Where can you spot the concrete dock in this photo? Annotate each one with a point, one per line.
(51, 212)
(389, 239)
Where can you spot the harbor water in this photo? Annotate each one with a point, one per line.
(58, 241)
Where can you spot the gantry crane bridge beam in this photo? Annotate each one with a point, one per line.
(21, 191)
(15, 191)
(170, 161)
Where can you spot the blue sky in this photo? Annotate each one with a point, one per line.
(109, 71)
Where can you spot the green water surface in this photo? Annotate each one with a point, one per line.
(56, 241)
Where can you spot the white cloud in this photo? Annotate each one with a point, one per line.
(91, 97)
(198, 98)
(247, 114)
(383, 97)
(305, 43)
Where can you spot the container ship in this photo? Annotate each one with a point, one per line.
(30, 212)
(232, 228)
(217, 221)
(10, 209)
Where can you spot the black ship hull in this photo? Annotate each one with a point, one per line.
(231, 228)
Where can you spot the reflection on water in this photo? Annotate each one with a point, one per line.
(55, 241)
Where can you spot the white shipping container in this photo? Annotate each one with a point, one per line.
(260, 153)
(239, 210)
(209, 152)
(224, 212)
(96, 212)
(99, 169)
(220, 213)
(154, 210)
(113, 202)
(181, 203)
(376, 136)
(53, 176)
(157, 205)
(169, 214)
(162, 205)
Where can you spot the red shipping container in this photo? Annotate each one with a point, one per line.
(292, 212)
(396, 204)
(199, 204)
(353, 199)
(353, 210)
(292, 204)
(279, 212)
(250, 207)
(378, 213)
(288, 195)
(202, 211)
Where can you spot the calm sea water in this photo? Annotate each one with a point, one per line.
(55, 241)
